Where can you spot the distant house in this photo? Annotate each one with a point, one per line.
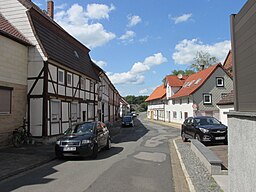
(226, 104)
(200, 93)
(13, 79)
(242, 121)
(124, 107)
(62, 83)
(173, 84)
(156, 104)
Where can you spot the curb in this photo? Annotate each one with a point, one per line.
(188, 179)
(26, 168)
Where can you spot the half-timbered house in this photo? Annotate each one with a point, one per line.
(62, 82)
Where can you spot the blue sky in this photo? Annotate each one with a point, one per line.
(139, 42)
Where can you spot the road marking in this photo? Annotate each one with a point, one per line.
(155, 157)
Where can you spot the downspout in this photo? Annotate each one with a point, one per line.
(45, 100)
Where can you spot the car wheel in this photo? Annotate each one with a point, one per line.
(108, 146)
(95, 151)
(197, 137)
(184, 139)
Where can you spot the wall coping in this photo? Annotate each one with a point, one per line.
(244, 114)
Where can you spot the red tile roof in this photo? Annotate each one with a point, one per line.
(228, 64)
(174, 81)
(195, 81)
(8, 30)
(158, 93)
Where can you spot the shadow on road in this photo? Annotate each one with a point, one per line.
(127, 134)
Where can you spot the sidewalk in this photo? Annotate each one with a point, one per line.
(220, 150)
(16, 160)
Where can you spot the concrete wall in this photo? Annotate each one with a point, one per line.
(241, 151)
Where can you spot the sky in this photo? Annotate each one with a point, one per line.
(138, 42)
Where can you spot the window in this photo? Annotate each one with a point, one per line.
(180, 101)
(61, 76)
(173, 102)
(188, 101)
(219, 81)
(174, 114)
(55, 110)
(207, 98)
(82, 83)
(5, 100)
(197, 81)
(180, 114)
(73, 111)
(69, 79)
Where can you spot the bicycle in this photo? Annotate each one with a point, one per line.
(21, 136)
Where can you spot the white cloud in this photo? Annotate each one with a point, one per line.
(61, 6)
(182, 18)
(144, 91)
(75, 21)
(101, 64)
(127, 35)
(136, 74)
(99, 11)
(133, 20)
(186, 50)
(144, 40)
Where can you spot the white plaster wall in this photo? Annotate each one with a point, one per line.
(184, 107)
(36, 117)
(53, 72)
(222, 110)
(242, 154)
(65, 111)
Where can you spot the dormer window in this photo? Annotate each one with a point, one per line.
(197, 81)
(219, 82)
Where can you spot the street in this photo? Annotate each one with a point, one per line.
(139, 160)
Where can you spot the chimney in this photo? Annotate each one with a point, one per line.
(50, 8)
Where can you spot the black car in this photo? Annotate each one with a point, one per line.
(83, 139)
(127, 121)
(204, 129)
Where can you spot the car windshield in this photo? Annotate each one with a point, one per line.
(207, 121)
(87, 127)
(127, 119)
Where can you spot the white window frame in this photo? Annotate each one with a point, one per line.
(71, 80)
(174, 113)
(205, 95)
(74, 111)
(55, 112)
(61, 81)
(217, 82)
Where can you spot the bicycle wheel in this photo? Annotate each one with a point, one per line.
(17, 139)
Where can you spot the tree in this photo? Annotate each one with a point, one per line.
(203, 60)
(186, 72)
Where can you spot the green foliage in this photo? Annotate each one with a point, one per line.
(137, 102)
(203, 59)
(186, 72)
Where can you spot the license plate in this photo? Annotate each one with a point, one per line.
(219, 138)
(69, 148)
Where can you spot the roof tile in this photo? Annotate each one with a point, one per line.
(158, 93)
(195, 81)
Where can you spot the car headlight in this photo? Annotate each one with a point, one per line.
(204, 130)
(86, 141)
(58, 142)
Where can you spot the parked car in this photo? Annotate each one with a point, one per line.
(83, 139)
(127, 121)
(204, 129)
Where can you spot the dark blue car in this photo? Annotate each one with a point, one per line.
(204, 129)
(83, 139)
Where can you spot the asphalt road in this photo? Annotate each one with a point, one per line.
(139, 160)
